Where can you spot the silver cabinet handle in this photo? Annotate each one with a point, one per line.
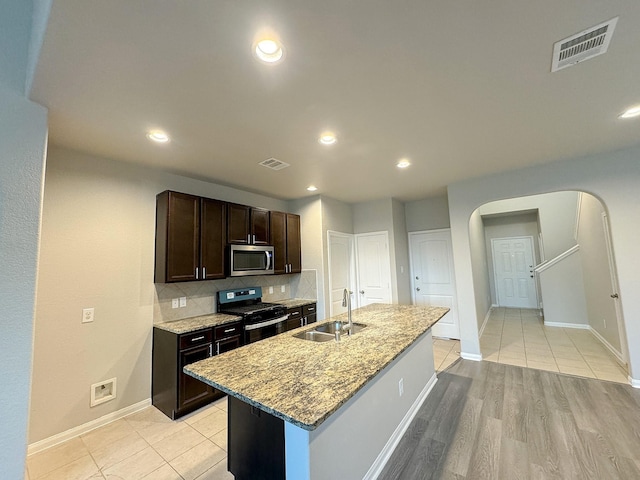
(217, 348)
(195, 339)
(248, 238)
(230, 330)
(196, 273)
(302, 322)
(204, 272)
(254, 239)
(210, 350)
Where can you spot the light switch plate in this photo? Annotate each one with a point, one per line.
(183, 301)
(174, 303)
(283, 288)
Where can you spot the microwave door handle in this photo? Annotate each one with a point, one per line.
(268, 254)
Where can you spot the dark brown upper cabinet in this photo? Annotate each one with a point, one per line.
(285, 238)
(190, 238)
(247, 225)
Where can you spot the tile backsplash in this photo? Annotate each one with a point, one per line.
(201, 296)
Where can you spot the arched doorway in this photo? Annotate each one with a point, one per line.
(574, 324)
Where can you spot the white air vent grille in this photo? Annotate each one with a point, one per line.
(582, 46)
(274, 164)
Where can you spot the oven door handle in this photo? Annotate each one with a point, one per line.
(255, 326)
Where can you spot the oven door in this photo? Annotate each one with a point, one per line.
(254, 332)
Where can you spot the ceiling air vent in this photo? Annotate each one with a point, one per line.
(274, 164)
(582, 46)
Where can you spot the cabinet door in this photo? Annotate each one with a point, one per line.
(278, 231)
(294, 256)
(213, 235)
(192, 390)
(259, 226)
(238, 223)
(295, 317)
(182, 237)
(227, 344)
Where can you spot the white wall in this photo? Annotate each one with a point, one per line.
(401, 247)
(557, 215)
(613, 177)
(98, 251)
(480, 266)
(312, 242)
(563, 293)
(600, 308)
(23, 138)
(428, 214)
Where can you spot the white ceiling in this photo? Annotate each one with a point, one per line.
(462, 88)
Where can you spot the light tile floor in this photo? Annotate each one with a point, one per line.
(144, 445)
(148, 445)
(518, 337)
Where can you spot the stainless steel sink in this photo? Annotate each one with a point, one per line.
(334, 326)
(314, 336)
(327, 332)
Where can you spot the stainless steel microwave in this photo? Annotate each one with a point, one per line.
(250, 260)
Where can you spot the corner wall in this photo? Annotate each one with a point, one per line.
(98, 241)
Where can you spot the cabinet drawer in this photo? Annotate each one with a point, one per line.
(196, 338)
(309, 309)
(295, 313)
(227, 330)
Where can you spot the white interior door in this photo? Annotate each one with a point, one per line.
(513, 264)
(374, 268)
(615, 297)
(432, 277)
(340, 256)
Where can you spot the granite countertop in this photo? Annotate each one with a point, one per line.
(294, 302)
(304, 382)
(192, 324)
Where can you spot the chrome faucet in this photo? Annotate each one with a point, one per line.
(346, 302)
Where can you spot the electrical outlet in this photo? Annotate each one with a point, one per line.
(401, 386)
(282, 288)
(87, 315)
(270, 289)
(183, 301)
(174, 303)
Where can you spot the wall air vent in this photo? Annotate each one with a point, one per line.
(582, 46)
(274, 164)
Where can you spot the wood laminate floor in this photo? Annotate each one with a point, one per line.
(490, 421)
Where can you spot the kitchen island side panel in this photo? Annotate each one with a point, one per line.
(362, 433)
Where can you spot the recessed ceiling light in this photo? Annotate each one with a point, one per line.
(403, 163)
(157, 136)
(631, 112)
(268, 50)
(312, 188)
(328, 138)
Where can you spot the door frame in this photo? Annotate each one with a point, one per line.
(495, 270)
(388, 263)
(352, 263)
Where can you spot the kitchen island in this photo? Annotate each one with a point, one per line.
(332, 409)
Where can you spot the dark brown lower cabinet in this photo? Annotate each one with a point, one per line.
(173, 392)
(256, 443)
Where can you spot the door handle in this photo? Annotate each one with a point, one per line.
(361, 292)
(418, 289)
(614, 295)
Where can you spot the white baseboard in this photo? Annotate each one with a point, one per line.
(383, 457)
(608, 346)
(581, 326)
(484, 322)
(476, 357)
(635, 383)
(86, 427)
